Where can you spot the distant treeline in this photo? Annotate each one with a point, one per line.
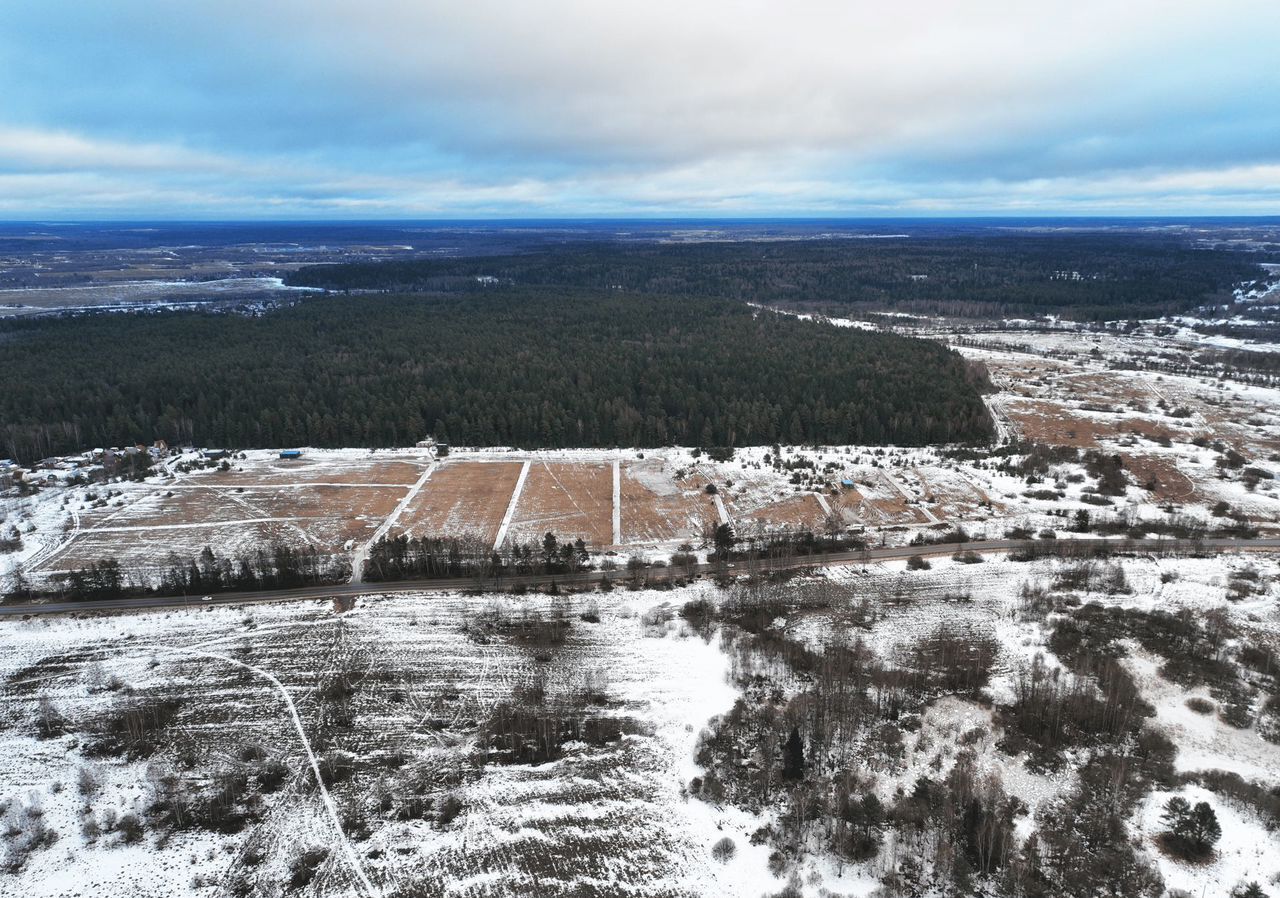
(527, 368)
(1119, 275)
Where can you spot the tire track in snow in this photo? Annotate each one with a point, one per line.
(330, 807)
(49, 552)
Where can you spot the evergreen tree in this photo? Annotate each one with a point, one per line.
(793, 756)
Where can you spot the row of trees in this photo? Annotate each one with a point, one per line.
(407, 557)
(278, 566)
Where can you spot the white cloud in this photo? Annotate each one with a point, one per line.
(427, 107)
(35, 148)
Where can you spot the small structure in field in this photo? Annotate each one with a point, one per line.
(215, 453)
(291, 453)
(430, 444)
(847, 483)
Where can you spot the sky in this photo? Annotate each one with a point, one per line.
(547, 108)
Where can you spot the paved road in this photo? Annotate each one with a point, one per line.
(889, 553)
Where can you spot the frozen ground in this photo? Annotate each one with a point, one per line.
(404, 687)
(601, 816)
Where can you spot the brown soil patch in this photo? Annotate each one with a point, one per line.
(799, 511)
(318, 470)
(657, 509)
(570, 499)
(463, 498)
(1171, 485)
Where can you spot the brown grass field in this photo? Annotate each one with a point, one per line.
(570, 499)
(1171, 485)
(875, 501)
(304, 470)
(655, 508)
(462, 497)
(802, 510)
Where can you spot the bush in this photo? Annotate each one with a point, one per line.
(305, 865)
(450, 808)
(918, 563)
(1200, 705)
(724, 850)
(130, 828)
(272, 774)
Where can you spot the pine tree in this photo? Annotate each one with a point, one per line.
(793, 756)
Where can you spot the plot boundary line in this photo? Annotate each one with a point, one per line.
(617, 503)
(357, 560)
(511, 506)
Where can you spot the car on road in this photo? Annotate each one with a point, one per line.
(206, 598)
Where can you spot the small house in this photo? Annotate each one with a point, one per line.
(215, 453)
(847, 483)
(442, 449)
(291, 453)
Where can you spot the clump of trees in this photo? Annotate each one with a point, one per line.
(407, 557)
(1191, 830)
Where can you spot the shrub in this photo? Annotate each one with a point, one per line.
(724, 850)
(272, 774)
(305, 865)
(918, 563)
(450, 808)
(1200, 705)
(130, 828)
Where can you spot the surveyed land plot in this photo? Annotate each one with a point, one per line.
(573, 500)
(658, 508)
(462, 498)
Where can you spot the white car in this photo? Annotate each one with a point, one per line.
(206, 598)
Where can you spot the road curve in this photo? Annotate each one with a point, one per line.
(855, 556)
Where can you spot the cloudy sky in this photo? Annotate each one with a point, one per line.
(473, 108)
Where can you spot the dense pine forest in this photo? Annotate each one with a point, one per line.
(514, 367)
(1081, 276)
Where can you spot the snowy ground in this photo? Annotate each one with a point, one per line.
(601, 816)
(607, 818)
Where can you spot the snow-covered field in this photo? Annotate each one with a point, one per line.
(405, 687)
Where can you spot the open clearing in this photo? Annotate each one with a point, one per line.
(402, 702)
(572, 500)
(463, 499)
(608, 810)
